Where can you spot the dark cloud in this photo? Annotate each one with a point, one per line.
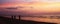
(12, 8)
(11, 11)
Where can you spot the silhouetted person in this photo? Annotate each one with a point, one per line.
(13, 20)
(19, 17)
(14, 17)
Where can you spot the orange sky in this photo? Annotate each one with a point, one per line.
(37, 6)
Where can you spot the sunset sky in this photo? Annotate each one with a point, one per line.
(38, 6)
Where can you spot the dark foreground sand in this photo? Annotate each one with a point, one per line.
(4, 20)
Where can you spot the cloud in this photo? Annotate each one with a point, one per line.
(24, 9)
(14, 1)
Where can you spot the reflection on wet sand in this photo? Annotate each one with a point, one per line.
(5, 20)
(41, 19)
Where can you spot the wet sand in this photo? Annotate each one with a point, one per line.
(38, 19)
(5, 20)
